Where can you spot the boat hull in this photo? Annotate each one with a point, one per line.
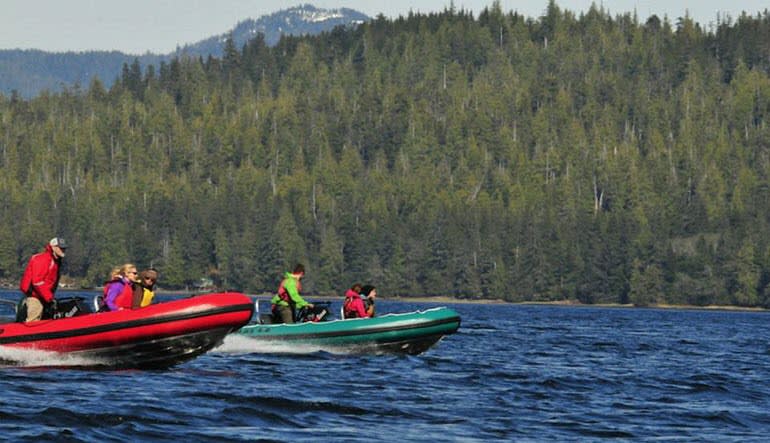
(158, 336)
(410, 333)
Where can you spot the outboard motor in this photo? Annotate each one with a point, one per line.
(66, 307)
(63, 307)
(319, 312)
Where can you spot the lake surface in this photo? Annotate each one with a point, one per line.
(511, 373)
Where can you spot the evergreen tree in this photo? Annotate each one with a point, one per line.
(566, 156)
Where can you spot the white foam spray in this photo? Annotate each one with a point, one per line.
(10, 356)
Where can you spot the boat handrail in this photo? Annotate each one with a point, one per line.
(98, 302)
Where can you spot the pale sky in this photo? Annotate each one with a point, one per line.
(159, 26)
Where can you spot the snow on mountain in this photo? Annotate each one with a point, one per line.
(299, 20)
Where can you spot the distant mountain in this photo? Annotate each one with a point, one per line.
(299, 20)
(28, 72)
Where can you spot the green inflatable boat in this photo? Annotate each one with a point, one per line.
(410, 333)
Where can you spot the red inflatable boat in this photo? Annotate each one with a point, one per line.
(157, 336)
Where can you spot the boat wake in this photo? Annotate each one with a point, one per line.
(236, 344)
(31, 358)
(239, 344)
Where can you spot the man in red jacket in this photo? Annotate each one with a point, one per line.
(41, 278)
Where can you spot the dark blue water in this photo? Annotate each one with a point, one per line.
(511, 373)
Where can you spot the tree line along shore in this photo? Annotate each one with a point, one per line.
(588, 157)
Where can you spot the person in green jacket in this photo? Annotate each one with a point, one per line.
(288, 299)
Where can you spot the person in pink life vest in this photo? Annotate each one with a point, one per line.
(354, 306)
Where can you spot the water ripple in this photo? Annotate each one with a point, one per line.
(512, 373)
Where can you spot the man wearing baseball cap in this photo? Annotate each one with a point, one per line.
(41, 278)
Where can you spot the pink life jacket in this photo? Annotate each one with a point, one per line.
(354, 306)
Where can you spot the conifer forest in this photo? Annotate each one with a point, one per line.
(583, 157)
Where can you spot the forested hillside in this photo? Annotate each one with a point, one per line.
(28, 72)
(588, 157)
